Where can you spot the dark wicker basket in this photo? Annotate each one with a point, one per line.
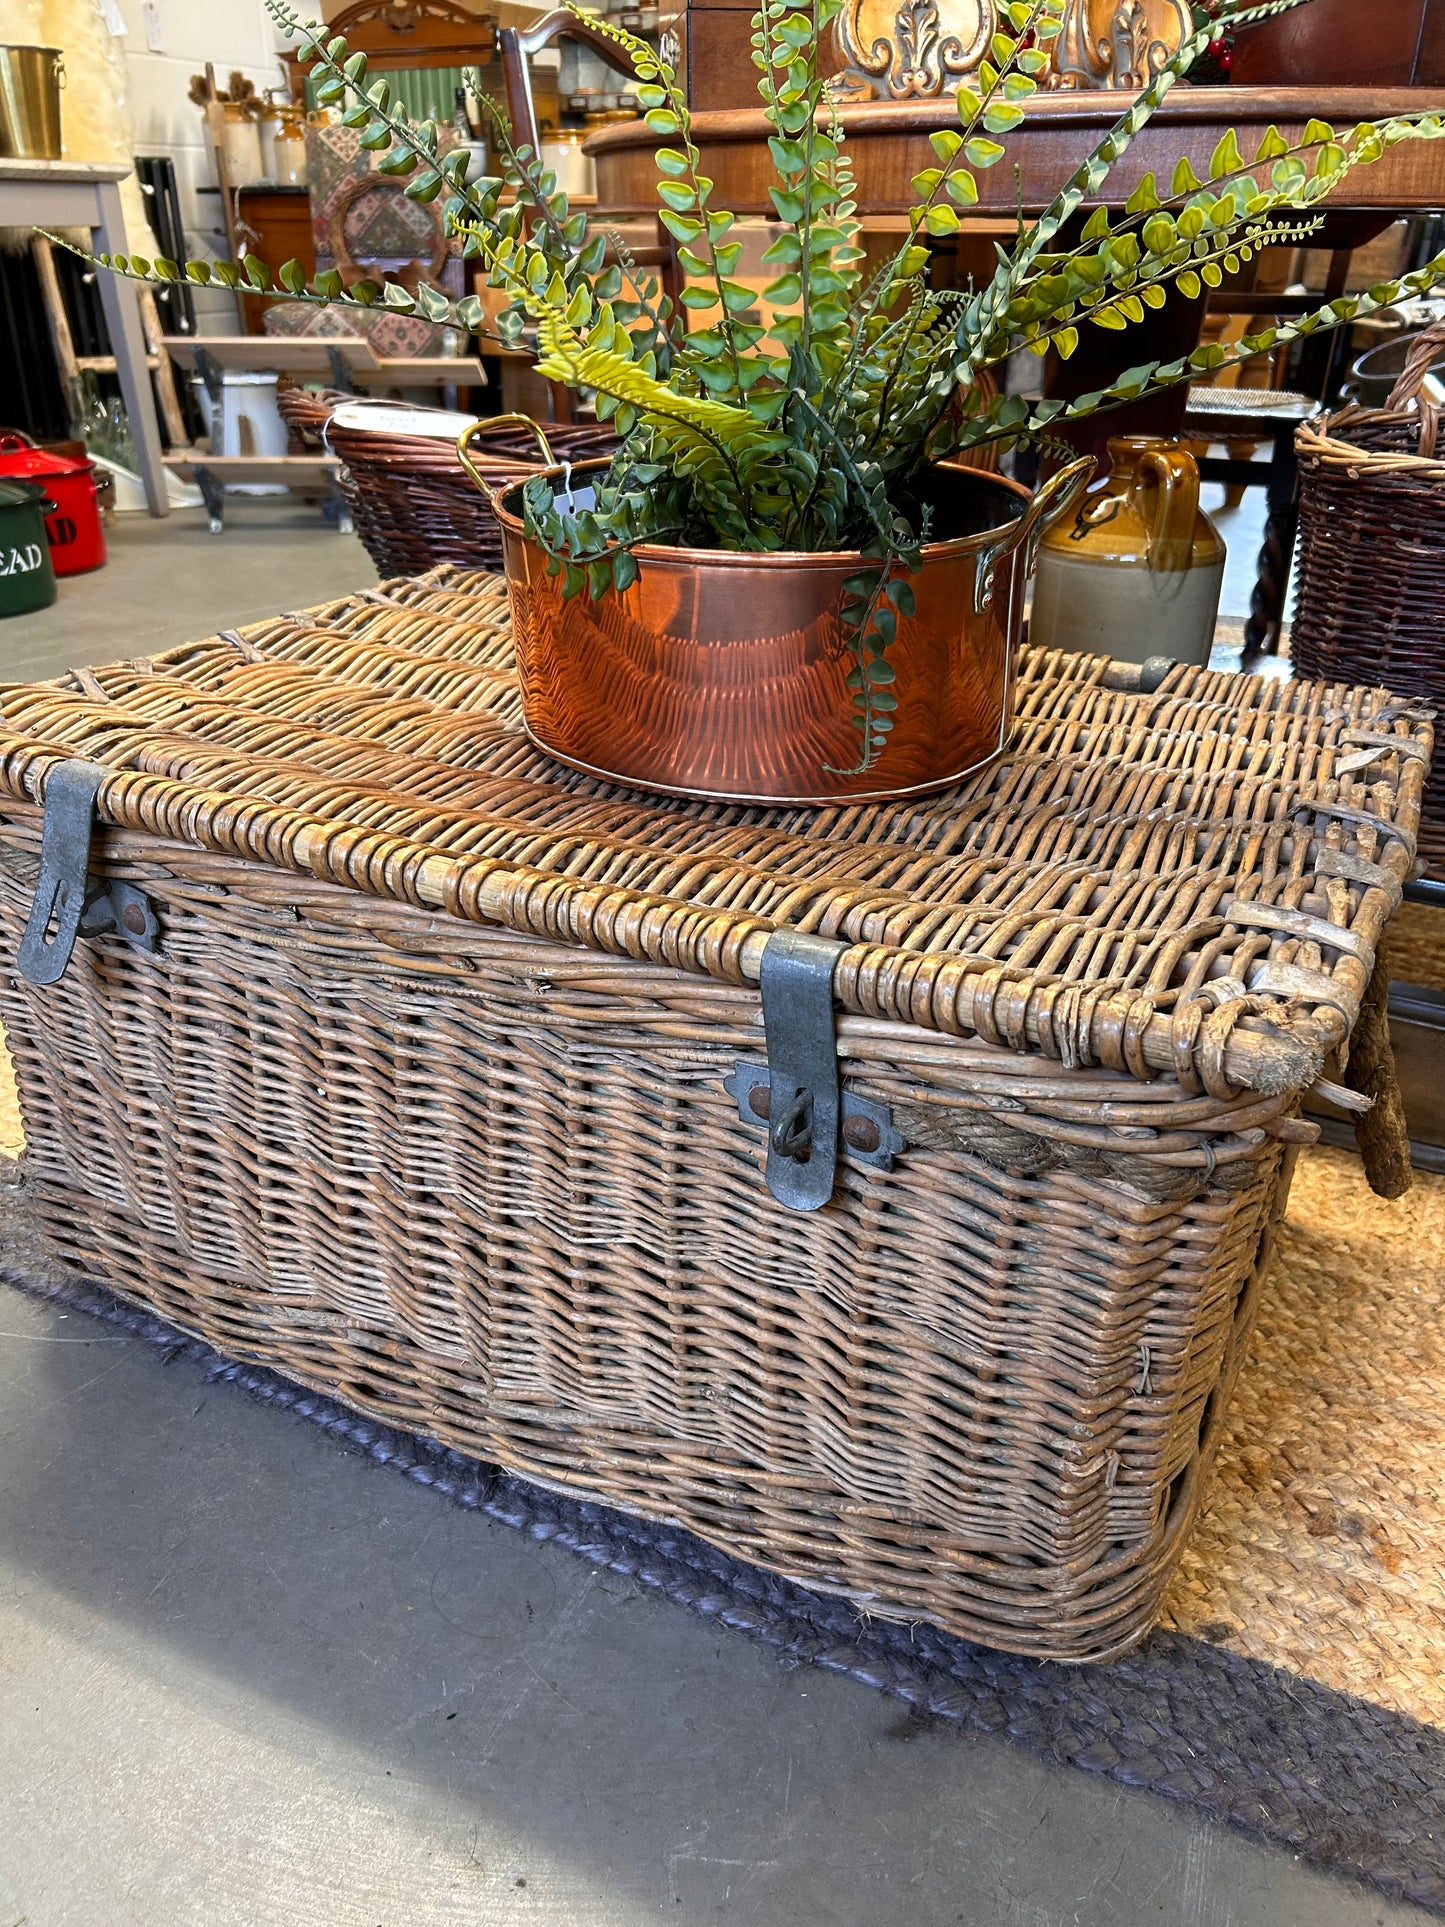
(1371, 603)
(410, 498)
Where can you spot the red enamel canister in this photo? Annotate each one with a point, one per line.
(77, 541)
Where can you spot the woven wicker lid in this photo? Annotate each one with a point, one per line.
(1192, 881)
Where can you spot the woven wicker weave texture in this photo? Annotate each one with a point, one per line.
(413, 504)
(421, 1098)
(1371, 600)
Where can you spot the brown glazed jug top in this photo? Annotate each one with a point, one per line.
(1144, 513)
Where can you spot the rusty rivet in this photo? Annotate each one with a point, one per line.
(861, 1134)
(760, 1100)
(134, 919)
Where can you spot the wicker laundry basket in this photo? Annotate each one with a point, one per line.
(434, 1075)
(1371, 602)
(411, 500)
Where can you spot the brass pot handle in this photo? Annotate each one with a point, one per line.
(464, 441)
(1051, 503)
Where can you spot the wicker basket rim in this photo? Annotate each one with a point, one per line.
(1321, 440)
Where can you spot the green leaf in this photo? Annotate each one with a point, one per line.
(1185, 179)
(1002, 117)
(1226, 158)
(671, 162)
(969, 105)
(1145, 197)
(1097, 225)
(942, 219)
(924, 182)
(1108, 318)
(676, 194)
(682, 227)
(962, 187)
(1272, 145)
(1188, 284)
(981, 152)
(1065, 341)
(662, 120)
(945, 143)
(290, 274)
(782, 293)
(1316, 132)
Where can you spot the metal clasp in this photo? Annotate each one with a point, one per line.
(67, 896)
(797, 1094)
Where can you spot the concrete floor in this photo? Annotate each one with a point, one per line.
(248, 1680)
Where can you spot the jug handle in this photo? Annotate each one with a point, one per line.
(1176, 505)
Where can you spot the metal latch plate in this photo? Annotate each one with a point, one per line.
(70, 902)
(797, 1092)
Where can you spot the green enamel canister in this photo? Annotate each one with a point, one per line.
(27, 580)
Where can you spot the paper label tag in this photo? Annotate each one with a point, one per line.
(444, 424)
(114, 19)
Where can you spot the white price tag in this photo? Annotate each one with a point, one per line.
(114, 19)
(150, 14)
(442, 423)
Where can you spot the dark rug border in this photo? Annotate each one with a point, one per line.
(1349, 1786)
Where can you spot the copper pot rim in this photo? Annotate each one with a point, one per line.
(661, 553)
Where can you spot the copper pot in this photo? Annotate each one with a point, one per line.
(721, 674)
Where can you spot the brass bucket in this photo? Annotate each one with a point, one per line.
(720, 674)
(30, 82)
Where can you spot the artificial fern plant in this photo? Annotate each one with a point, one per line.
(804, 418)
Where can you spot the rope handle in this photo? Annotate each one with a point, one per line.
(1425, 350)
(465, 439)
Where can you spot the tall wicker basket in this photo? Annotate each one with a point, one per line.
(1372, 555)
(413, 503)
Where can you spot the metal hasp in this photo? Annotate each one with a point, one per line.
(66, 893)
(797, 1094)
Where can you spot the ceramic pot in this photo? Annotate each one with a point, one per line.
(720, 675)
(1136, 571)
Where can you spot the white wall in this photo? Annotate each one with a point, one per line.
(229, 33)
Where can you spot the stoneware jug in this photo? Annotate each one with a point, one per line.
(1136, 570)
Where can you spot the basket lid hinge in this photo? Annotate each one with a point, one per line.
(69, 902)
(810, 1119)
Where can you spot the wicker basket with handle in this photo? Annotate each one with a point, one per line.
(1371, 604)
(430, 1078)
(413, 504)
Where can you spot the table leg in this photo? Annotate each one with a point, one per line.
(1266, 604)
(122, 316)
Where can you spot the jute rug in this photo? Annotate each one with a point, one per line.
(1295, 1690)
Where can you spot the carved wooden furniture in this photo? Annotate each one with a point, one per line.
(919, 49)
(888, 145)
(407, 33)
